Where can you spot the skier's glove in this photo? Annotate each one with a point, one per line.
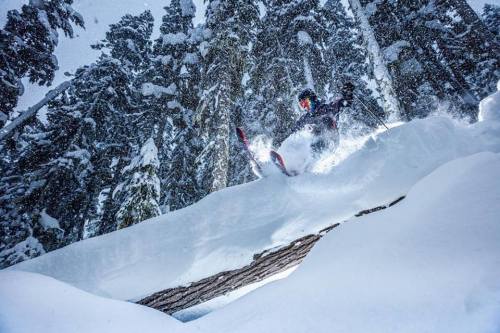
(347, 93)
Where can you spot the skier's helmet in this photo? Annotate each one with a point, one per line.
(308, 93)
(307, 99)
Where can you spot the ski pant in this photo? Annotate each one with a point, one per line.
(328, 140)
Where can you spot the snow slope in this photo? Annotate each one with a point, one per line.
(430, 263)
(225, 229)
(32, 303)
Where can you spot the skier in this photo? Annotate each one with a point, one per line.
(321, 118)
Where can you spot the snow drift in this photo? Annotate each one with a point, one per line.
(430, 263)
(36, 303)
(225, 229)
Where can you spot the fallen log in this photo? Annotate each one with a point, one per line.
(264, 265)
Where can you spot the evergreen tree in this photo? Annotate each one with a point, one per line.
(170, 86)
(27, 45)
(65, 167)
(290, 49)
(179, 183)
(69, 167)
(232, 27)
(347, 59)
(140, 195)
(426, 47)
(491, 18)
(128, 40)
(383, 79)
(470, 50)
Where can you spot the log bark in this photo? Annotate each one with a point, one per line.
(264, 265)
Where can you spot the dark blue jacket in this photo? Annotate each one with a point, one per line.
(323, 117)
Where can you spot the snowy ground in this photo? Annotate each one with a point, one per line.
(224, 230)
(430, 263)
(35, 303)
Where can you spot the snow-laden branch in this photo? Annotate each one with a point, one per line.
(8, 130)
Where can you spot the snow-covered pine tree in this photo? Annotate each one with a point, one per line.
(65, 170)
(60, 166)
(10, 84)
(491, 18)
(272, 88)
(423, 70)
(27, 44)
(243, 115)
(347, 60)
(128, 40)
(170, 87)
(140, 195)
(178, 176)
(405, 60)
(290, 52)
(129, 45)
(383, 79)
(303, 39)
(232, 26)
(470, 50)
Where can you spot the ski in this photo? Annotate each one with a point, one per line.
(256, 168)
(280, 163)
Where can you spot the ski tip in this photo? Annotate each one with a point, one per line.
(276, 155)
(241, 135)
(239, 132)
(280, 163)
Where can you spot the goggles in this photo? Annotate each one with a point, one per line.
(305, 104)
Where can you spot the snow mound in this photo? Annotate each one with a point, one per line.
(224, 230)
(174, 38)
(48, 222)
(489, 108)
(188, 8)
(149, 89)
(304, 38)
(36, 303)
(392, 52)
(429, 264)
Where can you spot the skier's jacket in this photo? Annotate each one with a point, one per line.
(322, 118)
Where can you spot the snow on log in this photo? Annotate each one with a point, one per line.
(264, 265)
